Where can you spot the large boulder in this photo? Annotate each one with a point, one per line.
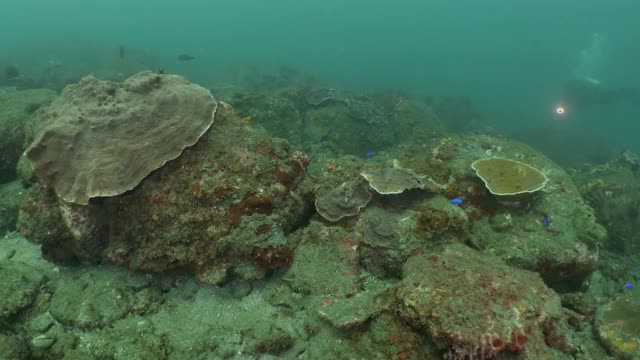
(551, 231)
(223, 206)
(476, 306)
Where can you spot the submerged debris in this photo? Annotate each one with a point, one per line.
(509, 177)
(392, 180)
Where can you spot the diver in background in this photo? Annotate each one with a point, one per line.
(579, 93)
(584, 89)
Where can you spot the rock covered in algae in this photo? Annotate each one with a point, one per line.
(17, 109)
(357, 309)
(345, 200)
(325, 262)
(102, 139)
(613, 190)
(509, 177)
(318, 96)
(393, 180)
(618, 325)
(561, 248)
(222, 207)
(477, 306)
(11, 195)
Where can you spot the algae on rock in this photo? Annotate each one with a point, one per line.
(16, 112)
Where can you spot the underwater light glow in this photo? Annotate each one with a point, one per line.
(560, 110)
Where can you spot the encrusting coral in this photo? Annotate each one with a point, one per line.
(345, 200)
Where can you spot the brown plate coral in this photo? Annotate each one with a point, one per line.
(509, 177)
(102, 139)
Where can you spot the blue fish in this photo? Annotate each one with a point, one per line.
(628, 286)
(545, 221)
(323, 140)
(456, 201)
(369, 154)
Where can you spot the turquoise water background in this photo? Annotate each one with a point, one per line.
(510, 57)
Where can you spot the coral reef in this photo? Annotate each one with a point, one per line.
(346, 123)
(379, 241)
(552, 232)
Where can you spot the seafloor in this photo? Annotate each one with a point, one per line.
(304, 222)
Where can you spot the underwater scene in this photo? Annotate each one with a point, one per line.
(349, 179)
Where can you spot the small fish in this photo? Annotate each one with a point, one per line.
(247, 120)
(186, 57)
(628, 286)
(456, 201)
(545, 221)
(369, 154)
(323, 139)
